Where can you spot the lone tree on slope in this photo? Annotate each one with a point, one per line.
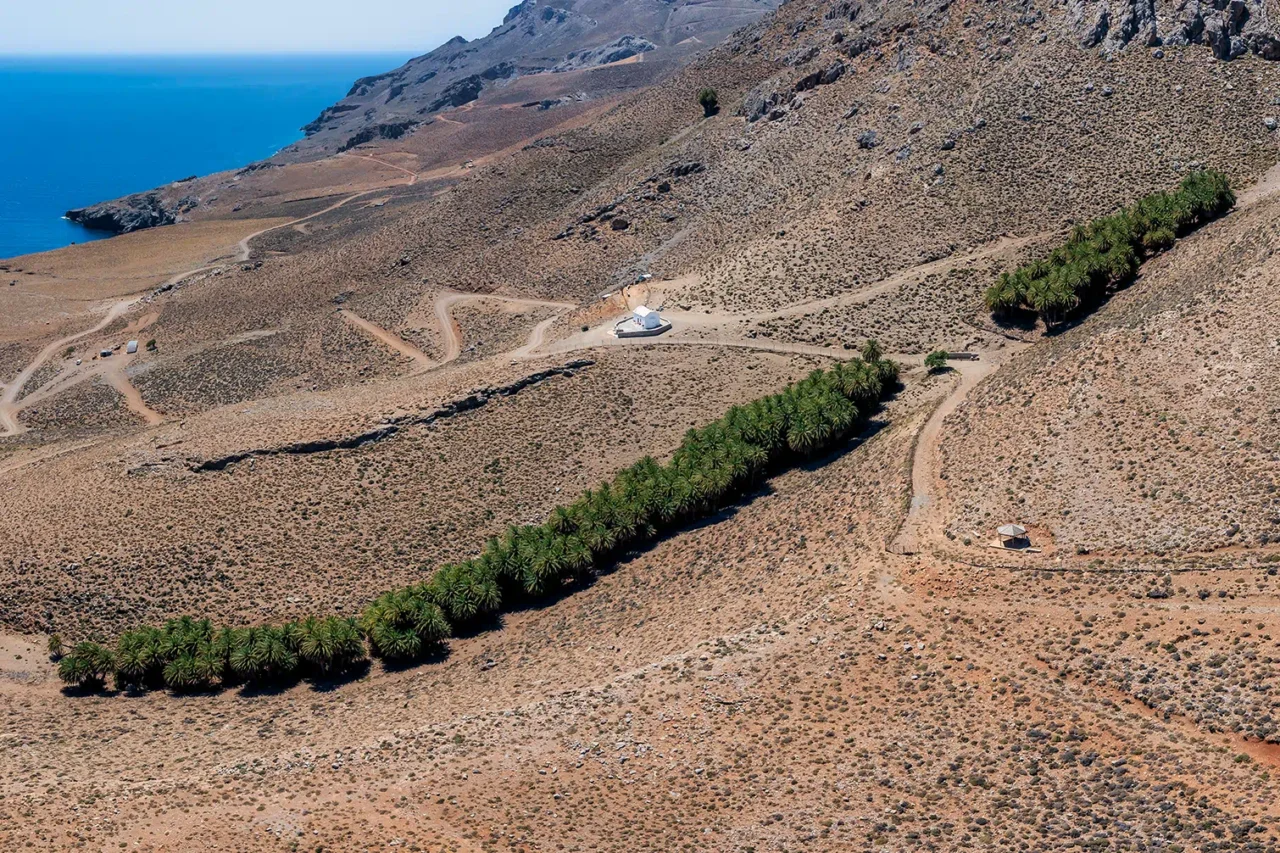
(710, 102)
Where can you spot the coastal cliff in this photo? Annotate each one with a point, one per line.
(131, 213)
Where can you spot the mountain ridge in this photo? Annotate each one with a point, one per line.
(562, 40)
(535, 37)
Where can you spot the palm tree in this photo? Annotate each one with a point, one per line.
(1158, 239)
(871, 351)
(1002, 297)
(561, 520)
(87, 666)
(246, 659)
(347, 645)
(430, 624)
(315, 646)
(579, 558)
(137, 658)
(395, 643)
(599, 538)
(210, 664)
(404, 623)
(1040, 296)
(279, 660)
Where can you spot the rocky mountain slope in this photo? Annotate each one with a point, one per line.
(871, 172)
(536, 37)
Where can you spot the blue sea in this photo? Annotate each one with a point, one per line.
(74, 131)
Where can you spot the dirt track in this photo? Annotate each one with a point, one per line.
(8, 413)
(394, 341)
(923, 522)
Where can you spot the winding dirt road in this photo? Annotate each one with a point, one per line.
(245, 252)
(115, 376)
(117, 379)
(8, 400)
(452, 335)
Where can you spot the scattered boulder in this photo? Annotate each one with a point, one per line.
(758, 105)
(825, 77)
(682, 170)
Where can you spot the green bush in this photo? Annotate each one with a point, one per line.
(1107, 252)
(936, 360)
(712, 467)
(709, 101)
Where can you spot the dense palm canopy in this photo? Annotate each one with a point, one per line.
(712, 467)
(1107, 252)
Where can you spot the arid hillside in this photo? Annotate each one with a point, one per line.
(366, 365)
(1150, 429)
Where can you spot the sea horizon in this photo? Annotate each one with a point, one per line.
(116, 124)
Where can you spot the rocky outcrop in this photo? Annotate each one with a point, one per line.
(131, 213)
(1230, 28)
(762, 102)
(392, 426)
(1135, 23)
(327, 115)
(615, 51)
(534, 37)
(379, 131)
(458, 93)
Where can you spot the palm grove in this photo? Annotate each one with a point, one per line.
(1106, 252)
(712, 467)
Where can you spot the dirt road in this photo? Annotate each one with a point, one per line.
(452, 335)
(997, 247)
(413, 176)
(924, 520)
(244, 251)
(8, 413)
(394, 341)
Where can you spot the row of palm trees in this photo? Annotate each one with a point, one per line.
(713, 466)
(191, 654)
(1107, 252)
